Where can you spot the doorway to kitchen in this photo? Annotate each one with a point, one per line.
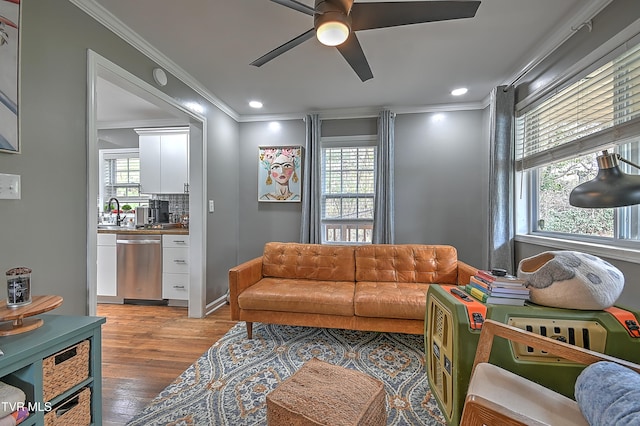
(123, 85)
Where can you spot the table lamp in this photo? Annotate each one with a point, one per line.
(610, 188)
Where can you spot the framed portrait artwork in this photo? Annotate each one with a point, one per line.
(279, 174)
(9, 40)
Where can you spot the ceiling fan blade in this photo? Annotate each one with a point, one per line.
(367, 16)
(293, 4)
(281, 49)
(354, 55)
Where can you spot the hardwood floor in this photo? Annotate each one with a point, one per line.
(144, 349)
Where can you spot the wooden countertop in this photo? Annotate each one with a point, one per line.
(143, 231)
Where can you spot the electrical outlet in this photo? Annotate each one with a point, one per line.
(9, 187)
(211, 207)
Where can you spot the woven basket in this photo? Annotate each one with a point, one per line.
(75, 410)
(320, 393)
(65, 369)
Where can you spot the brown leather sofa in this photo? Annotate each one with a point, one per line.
(379, 287)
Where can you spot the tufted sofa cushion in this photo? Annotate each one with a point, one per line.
(309, 261)
(390, 300)
(300, 295)
(407, 263)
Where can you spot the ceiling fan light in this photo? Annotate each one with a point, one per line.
(332, 33)
(332, 25)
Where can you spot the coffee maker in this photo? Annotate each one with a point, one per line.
(159, 211)
(141, 217)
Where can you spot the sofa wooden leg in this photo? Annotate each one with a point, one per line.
(250, 330)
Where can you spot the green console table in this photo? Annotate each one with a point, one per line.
(57, 341)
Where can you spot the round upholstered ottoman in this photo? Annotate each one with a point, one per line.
(320, 393)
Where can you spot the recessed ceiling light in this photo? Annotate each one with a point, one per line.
(459, 92)
(255, 104)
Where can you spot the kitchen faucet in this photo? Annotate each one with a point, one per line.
(118, 219)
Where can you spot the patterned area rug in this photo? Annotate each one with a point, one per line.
(229, 383)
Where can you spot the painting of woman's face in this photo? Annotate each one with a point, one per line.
(279, 173)
(282, 169)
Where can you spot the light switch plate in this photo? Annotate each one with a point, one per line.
(211, 207)
(9, 187)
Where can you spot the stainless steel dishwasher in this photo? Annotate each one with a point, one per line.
(139, 266)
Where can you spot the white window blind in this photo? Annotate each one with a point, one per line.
(558, 138)
(599, 109)
(121, 176)
(348, 185)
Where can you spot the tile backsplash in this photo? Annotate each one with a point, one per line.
(178, 203)
(178, 208)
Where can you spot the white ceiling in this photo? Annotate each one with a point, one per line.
(118, 107)
(213, 42)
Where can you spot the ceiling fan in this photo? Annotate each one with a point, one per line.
(336, 22)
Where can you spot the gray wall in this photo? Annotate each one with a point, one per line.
(261, 222)
(117, 139)
(441, 181)
(46, 229)
(351, 127)
(223, 159)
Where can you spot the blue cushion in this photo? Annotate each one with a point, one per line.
(609, 394)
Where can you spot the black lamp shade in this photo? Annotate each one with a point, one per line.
(610, 188)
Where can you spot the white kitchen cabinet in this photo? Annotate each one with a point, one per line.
(164, 160)
(150, 163)
(175, 267)
(107, 265)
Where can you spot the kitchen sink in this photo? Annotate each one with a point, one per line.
(109, 227)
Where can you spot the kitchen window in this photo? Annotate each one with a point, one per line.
(120, 177)
(348, 186)
(557, 144)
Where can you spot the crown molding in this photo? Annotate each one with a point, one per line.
(347, 113)
(462, 106)
(108, 20)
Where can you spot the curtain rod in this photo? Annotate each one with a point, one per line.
(532, 65)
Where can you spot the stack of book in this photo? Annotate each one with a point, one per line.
(499, 290)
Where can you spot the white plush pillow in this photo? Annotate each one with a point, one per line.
(571, 280)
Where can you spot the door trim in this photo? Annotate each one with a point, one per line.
(98, 66)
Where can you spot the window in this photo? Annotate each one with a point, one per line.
(120, 177)
(348, 182)
(558, 141)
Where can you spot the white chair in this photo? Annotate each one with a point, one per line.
(497, 397)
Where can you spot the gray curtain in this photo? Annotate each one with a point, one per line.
(310, 226)
(501, 175)
(383, 229)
